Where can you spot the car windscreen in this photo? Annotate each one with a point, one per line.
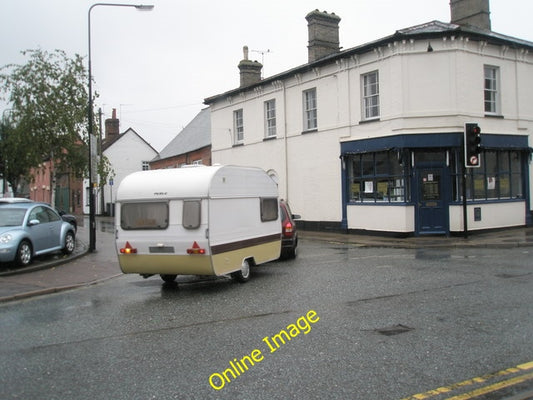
(144, 215)
(11, 216)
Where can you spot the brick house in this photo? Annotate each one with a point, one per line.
(191, 146)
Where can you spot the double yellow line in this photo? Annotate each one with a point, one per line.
(519, 369)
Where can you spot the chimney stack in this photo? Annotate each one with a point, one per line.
(250, 71)
(323, 34)
(112, 129)
(474, 13)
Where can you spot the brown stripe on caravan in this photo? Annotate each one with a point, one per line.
(223, 248)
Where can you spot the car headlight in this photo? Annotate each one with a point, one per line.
(6, 238)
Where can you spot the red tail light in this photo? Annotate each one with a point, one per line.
(127, 249)
(287, 229)
(195, 249)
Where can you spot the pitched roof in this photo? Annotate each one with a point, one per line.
(107, 144)
(427, 30)
(194, 136)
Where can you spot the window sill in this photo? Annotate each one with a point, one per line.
(494, 116)
(237, 144)
(367, 121)
(379, 203)
(310, 131)
(266, 139)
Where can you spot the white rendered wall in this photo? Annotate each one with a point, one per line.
(381, 218)
(493, 215)
(421, 92)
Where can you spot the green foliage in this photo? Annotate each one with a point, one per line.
(48, 101)
(14, 157)
(105, 171)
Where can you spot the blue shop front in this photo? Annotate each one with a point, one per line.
(412, 184)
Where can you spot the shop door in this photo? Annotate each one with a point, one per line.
(432, 210)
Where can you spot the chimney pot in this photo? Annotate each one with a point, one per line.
(323, 29)
(250, 71)
(475, 13)
(112, 126)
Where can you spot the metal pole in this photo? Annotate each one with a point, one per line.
(92, 216)
(465, 216)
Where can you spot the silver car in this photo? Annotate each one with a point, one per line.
(30, 229)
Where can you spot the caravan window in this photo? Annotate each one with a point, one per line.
(269, 209)
(191, 214)
(147, 215)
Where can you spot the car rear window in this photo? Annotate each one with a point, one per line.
(146, 215)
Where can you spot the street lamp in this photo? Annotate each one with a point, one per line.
(92, 162)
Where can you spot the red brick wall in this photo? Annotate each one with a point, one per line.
(203, 154)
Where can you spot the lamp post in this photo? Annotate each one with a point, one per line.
(92, 162)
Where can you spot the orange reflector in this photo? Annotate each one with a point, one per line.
(195, 249)
(127, 249)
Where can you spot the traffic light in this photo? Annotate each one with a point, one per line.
(472, 145)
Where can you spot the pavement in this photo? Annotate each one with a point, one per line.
(57, 272)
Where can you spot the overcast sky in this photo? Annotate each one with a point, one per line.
(156, 67)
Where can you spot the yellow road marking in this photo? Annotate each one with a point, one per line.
(493, 387)
(480, 379)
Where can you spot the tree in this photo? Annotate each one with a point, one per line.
(48, 103)
(14, 157)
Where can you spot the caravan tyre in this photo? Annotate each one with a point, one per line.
(244, 274)
(168, 278)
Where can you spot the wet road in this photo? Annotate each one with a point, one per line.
(337, 322)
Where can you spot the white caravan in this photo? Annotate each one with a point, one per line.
(198, 220)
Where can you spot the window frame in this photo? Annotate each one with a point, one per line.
(370, 172)
(143, 222)
(238, 126)
(499, 178)
(310, 110)
(491, 92)
(270, 118)
(370, 96)
(191, 214)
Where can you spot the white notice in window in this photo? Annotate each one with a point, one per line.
(491, 183)
(369, 187)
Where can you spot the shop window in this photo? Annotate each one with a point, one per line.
(498, 178)
(377, 177)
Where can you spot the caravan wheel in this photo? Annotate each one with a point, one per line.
(169, 278)
(244, 274)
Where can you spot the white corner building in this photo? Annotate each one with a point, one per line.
(370, 139)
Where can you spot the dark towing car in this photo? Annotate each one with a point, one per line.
(289, 233)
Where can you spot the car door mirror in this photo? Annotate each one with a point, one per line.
(33, 222)
(296, 216)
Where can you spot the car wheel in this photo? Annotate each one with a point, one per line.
(243, 275)
(70, 243)
(24, 254)
(168, 277)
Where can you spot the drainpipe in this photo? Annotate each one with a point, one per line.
(285, 142)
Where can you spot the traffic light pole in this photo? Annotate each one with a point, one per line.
(465, 216)
(472, 159)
